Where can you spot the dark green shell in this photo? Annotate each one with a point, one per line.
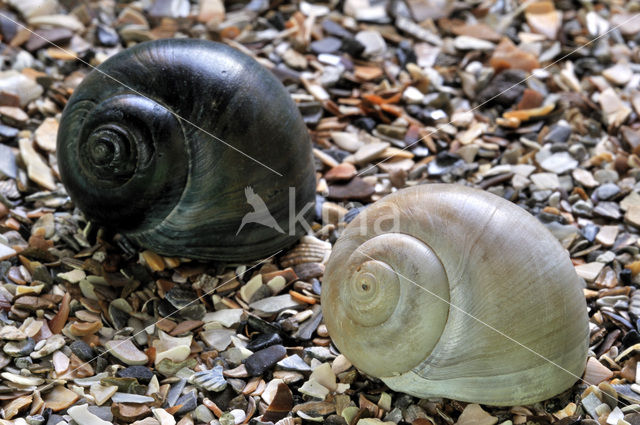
(161, 141)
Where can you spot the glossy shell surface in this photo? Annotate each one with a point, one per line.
(168, 142)
(447, 291)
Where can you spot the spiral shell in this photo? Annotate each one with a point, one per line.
(446, 291)
(166, 142)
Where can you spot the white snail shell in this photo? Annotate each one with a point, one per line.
(447, 291)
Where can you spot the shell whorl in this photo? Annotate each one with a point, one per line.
(481, 278)
(163, 139)
(380, 279)
(129, 145)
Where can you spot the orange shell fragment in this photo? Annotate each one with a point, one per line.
(527, 114)
(507, 55)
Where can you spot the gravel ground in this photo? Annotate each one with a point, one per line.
(536, 102)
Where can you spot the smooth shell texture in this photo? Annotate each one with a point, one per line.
(438, 289)
(130, 160)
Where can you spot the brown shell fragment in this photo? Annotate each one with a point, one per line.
(508, 56)
(527, 114)
(60, 319)
(128, 412)
(85, 328)
(281, 405)
(59, 398)
(16, 406)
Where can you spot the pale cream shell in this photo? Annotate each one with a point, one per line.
(499, 317)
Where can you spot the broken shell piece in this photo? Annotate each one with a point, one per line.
(173, 348)
(309, 250)
(527, 114)
(211, 380)
(82, 415)
(544, 19)
(613, 108)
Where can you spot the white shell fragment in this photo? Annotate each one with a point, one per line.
(82, 415)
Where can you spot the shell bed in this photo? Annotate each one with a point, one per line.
(534, 102)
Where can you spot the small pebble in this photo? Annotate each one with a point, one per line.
(261, 360)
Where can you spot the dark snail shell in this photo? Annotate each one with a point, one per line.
(161, 141)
